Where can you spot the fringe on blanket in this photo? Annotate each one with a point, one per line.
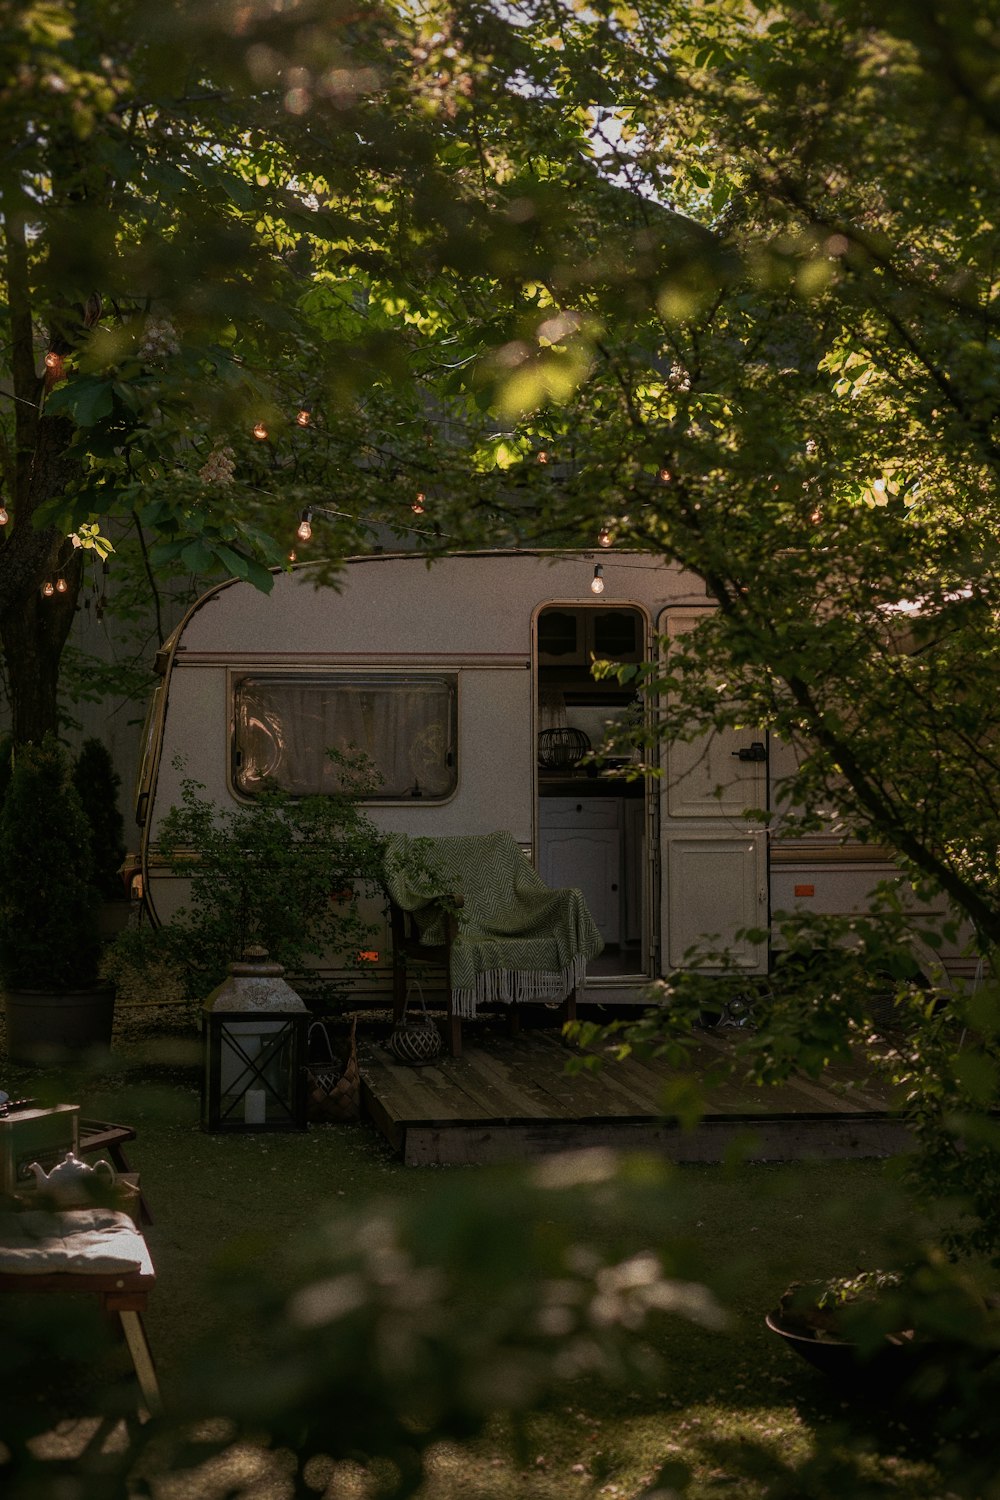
(519, 987)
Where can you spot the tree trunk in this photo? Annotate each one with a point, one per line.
(33, 628)
(33, 635)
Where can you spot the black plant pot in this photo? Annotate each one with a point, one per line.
(887, 1369)
(59, 1026)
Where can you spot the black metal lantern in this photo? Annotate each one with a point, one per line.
(254, 1028)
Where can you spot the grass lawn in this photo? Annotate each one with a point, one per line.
(735, 1408)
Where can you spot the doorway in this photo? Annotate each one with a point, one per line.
(591, 821)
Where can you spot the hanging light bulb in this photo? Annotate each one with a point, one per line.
(53, 361)
(542, 457)
(4, 517)
(291, 555)
(597, 583)
(417, 506)
(604, 537)
(260, 431)
(48, 589)
(664, 476)
(303, 416)
(61, 585)
(305, 531)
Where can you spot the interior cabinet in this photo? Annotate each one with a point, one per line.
(580, 845)
(572, 637)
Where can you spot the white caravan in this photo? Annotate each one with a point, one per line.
(467, 681)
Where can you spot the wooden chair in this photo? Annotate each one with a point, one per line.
(407, 946)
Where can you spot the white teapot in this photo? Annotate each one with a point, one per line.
(72, 1181)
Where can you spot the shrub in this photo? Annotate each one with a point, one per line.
(97, 784)
(283, 873)
(48, 907)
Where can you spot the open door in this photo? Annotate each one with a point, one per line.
(591, 822)
(713, 865)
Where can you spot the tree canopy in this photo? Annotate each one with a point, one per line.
(717, 280)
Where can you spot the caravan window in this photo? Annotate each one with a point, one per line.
(284, 725)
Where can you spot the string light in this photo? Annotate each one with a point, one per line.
(48, 589)
(542, 457)
(260, 432)
(291, 555)
(418, 505)
(4, 517)
(305, 531)
(304, 416)
(604, 537)
(61, 585)
(664, 476)
(597, 584)
(53, 361)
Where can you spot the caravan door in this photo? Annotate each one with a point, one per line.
(713, 861)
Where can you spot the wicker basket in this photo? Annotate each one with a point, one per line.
(415, 1042)
(333, 1087)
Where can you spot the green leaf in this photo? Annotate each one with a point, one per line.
(197, 557)
(86, 399)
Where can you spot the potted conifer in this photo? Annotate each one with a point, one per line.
(49, 940)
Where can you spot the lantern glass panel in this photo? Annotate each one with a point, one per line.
(252, 1072)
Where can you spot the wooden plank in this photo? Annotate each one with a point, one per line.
(509, 1097)
(401, 1090)
(711, 1142)
(483, 1098)
(540, 1062)
(373, 1109)
(595, 1095)
(822, 1093)
(536, 1104)
(613, 1090)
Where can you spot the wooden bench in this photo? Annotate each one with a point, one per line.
(122, 1294)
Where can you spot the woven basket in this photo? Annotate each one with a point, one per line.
(333, 1088)
(415, 1042)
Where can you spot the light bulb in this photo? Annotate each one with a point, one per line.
(4, 517)
(305, 531)
(604, 537)
(291, 556)
(61, 585)
(304, 416)
(260, 431)
(542, 457)
(53, 360)
(664, 476)
(48, 588)
(597, 585)
(418, 505)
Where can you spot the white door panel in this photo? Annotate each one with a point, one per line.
(714, 887)
(713, 856)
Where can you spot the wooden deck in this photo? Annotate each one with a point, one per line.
(509, 1097)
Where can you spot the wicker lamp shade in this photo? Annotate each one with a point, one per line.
(562, 748)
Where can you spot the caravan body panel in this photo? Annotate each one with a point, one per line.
(500, 638)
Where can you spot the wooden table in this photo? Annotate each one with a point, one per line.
(123, 1294)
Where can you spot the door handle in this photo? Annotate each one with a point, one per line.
(754, 751)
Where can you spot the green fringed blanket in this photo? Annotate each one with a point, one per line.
(517, 940)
